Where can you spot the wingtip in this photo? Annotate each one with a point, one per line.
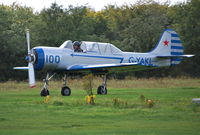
(20, 68)
(189, 55)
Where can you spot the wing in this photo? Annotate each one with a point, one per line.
(111, 67)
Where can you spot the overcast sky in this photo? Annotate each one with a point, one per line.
(37, 5)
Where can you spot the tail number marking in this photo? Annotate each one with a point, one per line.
(140, 60)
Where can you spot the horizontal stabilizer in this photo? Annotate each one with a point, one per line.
(175, 56)
(21, 68)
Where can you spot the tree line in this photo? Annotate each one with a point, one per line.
(135, 27)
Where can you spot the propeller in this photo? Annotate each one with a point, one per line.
(30, 59)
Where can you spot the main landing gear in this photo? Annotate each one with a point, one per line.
(65, 90)
(102, 90)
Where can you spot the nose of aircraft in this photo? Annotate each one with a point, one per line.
(30, 58)
(27, 58)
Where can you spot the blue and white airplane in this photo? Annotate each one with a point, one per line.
(99, 58)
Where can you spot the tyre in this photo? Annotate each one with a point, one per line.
(65, 91)
(101, 90)
(44, 92)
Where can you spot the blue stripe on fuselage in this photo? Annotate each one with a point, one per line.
(104, 57)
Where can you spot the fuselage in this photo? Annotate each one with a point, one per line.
(55, 58)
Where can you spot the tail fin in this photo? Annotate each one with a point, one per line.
(169, 45)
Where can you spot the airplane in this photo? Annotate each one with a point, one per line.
(97, 57)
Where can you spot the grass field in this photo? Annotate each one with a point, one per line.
(122, 111)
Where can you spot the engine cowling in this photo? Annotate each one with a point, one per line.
(39, 58)
(48, 58)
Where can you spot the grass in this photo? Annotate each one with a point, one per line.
(23, 111)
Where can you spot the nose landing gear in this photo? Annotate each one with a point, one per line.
(44, 91)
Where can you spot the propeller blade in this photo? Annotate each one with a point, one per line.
(31, 75)
(28, 40)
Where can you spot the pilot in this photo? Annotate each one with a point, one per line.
(77, 46)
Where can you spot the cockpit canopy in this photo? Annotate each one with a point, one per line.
(94, 47)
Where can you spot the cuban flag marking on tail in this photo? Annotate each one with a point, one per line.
(176, 48)
(169, 47)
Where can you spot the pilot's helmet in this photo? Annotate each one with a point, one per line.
(76, 43)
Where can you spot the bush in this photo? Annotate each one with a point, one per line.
(87, 86)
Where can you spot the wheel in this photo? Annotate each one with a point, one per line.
(101, 90)
(44, 92)
(65, 91)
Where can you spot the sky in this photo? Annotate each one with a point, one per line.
(38, 5)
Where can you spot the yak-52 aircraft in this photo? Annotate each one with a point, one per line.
(99, 58)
